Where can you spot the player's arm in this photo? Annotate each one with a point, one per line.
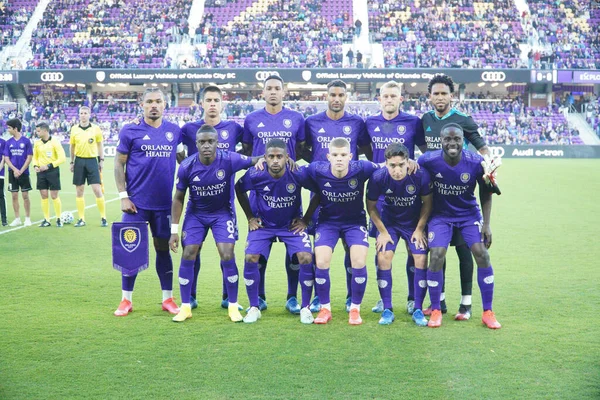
(247, 149)
(485, 196)
(176, 211)
(26, 164)
(384, 236)
(61, 157)
(101, 153)
(9, 164)
(422, 148)
(127, 205)
(35, 161)
(254, 223)
(181, 153)
(419, 237)
(72, 152)
(300, 224)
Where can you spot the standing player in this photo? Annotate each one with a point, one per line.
(18, 152)
(48, 154)
(405, 202)
(278, 216)
(87, 160)
(334, 123)
(393, 126)
(208, 177)
(144, 175)
(275, 122)
(441, 89)
(455, 173)
(339, 184)
(2, 198)
(230, 134)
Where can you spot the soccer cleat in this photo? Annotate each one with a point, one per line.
(378, 307)
(170, 306)
(252, 316)
(355, 318)
(185, 312)
(80, 223)
(292, 306)
(4, 223)
(410, 307)
(387, 317)
(124, 309)
(348, 303)
(315, 305)
(27, 222)
(16, 222)
(262, 304)
(103, 223)
(489, 319)
(323, 317)
(436, 319)
(306, 316)
(45, 224)
(443, 308)
(464, 313)
(193, 302)
(225, 305)
(234, 313)
(59, 223)
(419, 318)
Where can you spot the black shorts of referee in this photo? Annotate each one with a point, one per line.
(86, 169)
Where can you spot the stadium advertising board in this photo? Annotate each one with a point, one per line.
(586, 76)
(540, 151)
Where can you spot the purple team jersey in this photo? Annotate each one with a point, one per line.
(405, 129)
(151, 162)
(277, 200)
(454, 187)
(230, 134)
(341, 198)
(320, 130)
(210, 185)
(260, 127)
(17, 152)
(400, 200)
(2, 145)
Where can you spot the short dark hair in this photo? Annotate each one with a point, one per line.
(212, 89)
(153, 90)
(43, 126)
(395, 150)
(337, 83)
(339, 142)
(15, 123)
(206, 129)
(276, 143)
(274, 76)
(443, 79)
(452, 125)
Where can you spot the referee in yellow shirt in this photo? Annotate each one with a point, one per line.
(48, 154)
(87, 157)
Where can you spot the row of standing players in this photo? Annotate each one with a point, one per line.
(400, 201)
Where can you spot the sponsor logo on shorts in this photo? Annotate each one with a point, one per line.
(183, 235)
(431, 236)
(317, 236)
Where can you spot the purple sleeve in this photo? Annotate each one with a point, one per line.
(124, 143)
(301, 130)
(182, 178)
(239, 162)
(419, 134)
(5, 151)
(307, 135)
(305, 178)
(478, 170)
(425, 183)
(239, 133)
(247, 135)
(363, 136)
(368, 168)
(373, 189)
(245, 182)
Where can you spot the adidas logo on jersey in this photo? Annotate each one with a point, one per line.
(428, 129)
(321, 130)
(389, 191)
(146, 137)
(266, 189)
(196, 179)
(376, 129)
(261, 125)
(438, 175)
(327, 184)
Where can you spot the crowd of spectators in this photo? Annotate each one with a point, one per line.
(14, 16)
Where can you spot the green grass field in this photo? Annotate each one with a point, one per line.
(60, 340)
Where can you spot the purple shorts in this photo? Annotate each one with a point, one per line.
(404, 233)
(159, 220)
(440, 231)
(195, 228)
(328, 234)
(260, 241)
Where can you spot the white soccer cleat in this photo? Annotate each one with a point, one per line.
(252, 316)
(306, 316)
(16, 222)
(27, 222)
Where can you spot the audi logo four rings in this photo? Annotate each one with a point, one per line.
(52, 77)
(262, 75)
(493, 76)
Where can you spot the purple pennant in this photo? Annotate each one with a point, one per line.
(130, 247)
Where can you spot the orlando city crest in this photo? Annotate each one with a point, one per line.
(347, 130)
(287, 123)
(130, 238)
(464, 177)
(431, 236)
(220, 174)
(401, 129)
(291, 188)
(225, 134)
(169, 136)
(353, 183)
(411, 189)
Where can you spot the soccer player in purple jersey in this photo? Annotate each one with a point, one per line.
(275, 122)
(18, 152)
(339, 184)
(276, 216)
(230, 134)
(208, 177)
(455, 173)
(394, 126)
(144, 175)
(321, 129)
(2, 199)
(405, 202)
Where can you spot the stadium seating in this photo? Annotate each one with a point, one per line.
(14, 15)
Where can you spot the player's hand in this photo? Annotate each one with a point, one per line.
(292, 165)
(36, 169)
(254, 224)
(43, 168)
(486, 235)
(413, 166)
(135, 121)
(382, 240)
(174, 242)
(72, 168)
(100, 165)
(17, 173)
(419, 239)
(298, 225)
(490, 165)
(260, 164)
(128, 207)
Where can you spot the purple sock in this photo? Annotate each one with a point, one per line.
(485, 279)
(164, 269)
(420, 287)
(127, 282)
(307, 279)
(410, 276)
(359, 284)
(384, 281)
(196, 273)
(348, 267)
(252, 278)
(230, 272)
(435, 281)
(224, 290)
(323, 285)
(292, 276)
(186, 279)
(262, 269)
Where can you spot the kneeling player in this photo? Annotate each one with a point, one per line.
(406, 206)
(208, 176)
(455, 173)
(278, 216)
